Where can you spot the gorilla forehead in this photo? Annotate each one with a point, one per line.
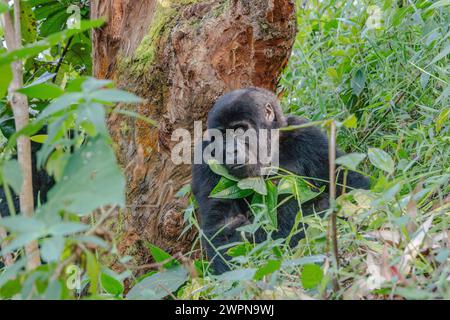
(240, 104)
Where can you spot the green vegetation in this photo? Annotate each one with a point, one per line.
(377, 69)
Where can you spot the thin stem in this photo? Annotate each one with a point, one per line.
(19, 105)
(332, 169)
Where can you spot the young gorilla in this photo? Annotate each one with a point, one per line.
(302, 151)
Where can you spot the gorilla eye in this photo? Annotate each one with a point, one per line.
(241, 126)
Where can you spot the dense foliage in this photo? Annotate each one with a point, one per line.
(377, 69)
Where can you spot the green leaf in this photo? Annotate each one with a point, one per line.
(445, 52)
(351, 161)
(220, 170)
(39, 138)
(3, 7)
(111, 285)
(115, 95)
(304, 260)
(27, 22)
(311, 276)
(12, 175)
(161, 256)
(93, 271)
(240, 250)
(238, 275)
(42, 91)
(10, 288)
(59, 104)
(20, 241)
(91, 179)
(35, 48)
(52, 248)
(5, 79)
(22, 224)
(438, 4)
(381, 159)
(271, 203)
(358, 82)
(351, 122)
(159, 285)
(256, 184)
(233, 192)
(270, 267)
(67, 228)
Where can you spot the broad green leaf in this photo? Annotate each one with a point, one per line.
(59, 104)
(381, 159)
(11, 288)
(358, 82)
(351, 122)
(311, 276)
(53, 291)
(92, 240)
(220, 170)
(27, 22)
(442, 119)
(161, 256)
(20, 241)
(305, 192)
(111, 285)
(94, 115)
(89, 84)
(12, 175)
(424, 78)
(52, 248)
(240, 250)
(238, 275)
(91, 179)
(5, 79)
(54, 23)
(42, 91)
(39, 138)
(223, 184)
(351, 161)
(93, 271)
(159, 285)
(115, 95)
(270, 267)
(233, 192)
(67, 228)
(22, 224)
(304, 260)
(35, 48)
(256, 184)
(3, 7)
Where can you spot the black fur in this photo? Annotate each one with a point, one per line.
(303, 152)
(42, 183)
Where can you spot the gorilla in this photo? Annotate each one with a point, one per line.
(303, 152)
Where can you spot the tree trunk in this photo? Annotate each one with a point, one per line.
(180, 55)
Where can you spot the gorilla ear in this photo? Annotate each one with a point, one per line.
(269, 113)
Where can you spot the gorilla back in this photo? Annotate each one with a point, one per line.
(303, 152)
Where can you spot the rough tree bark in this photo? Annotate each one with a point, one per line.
(180, 55)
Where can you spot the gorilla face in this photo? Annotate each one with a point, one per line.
(245, 119)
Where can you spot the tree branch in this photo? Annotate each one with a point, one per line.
(19, 103)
